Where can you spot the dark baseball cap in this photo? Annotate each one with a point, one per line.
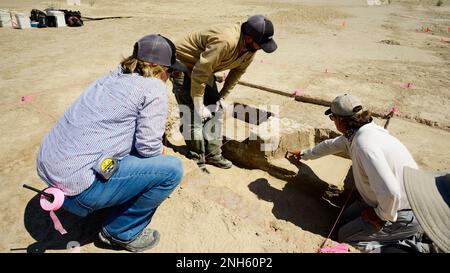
(157, 49)
(261, 30)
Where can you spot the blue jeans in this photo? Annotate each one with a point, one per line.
(357, 230)
(136, 190)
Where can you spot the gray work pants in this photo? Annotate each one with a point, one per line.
(356, 230)
(203, 138)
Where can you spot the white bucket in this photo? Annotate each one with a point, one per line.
(74, 2)
(23, 21)
(5, 19)
(60, 20)
(373, 2)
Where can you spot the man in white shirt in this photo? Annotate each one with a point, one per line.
(383, 213)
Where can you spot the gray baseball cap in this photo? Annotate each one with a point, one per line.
(261, 30)
(157, 49)
(345, 106)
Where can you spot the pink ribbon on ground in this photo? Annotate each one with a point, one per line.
(339, 248)
(297, 92)
(58, 200)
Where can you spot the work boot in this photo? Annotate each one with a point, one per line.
(146, 240)
(219, 161)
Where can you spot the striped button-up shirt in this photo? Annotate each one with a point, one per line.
(116, 112)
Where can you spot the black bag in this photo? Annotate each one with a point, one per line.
(73, 18)
(51, 21)
(40, 17)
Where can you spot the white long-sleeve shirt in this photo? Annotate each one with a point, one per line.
(378, 160)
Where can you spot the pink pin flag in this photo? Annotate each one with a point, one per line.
(297, 92)
(426, 29)
(26, 98)
(394, 109)
(407, 85)
(339, 248)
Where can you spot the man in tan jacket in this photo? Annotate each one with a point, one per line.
(219, 48)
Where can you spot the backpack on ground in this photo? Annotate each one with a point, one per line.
(73, 18)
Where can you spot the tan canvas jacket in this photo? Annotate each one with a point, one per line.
(214, 50)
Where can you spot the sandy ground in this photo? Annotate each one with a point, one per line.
(325, 48)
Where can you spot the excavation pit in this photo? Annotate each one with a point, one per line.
(263, 144)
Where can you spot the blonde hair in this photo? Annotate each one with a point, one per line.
(145, 69)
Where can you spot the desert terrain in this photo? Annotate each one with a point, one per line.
(392, 55)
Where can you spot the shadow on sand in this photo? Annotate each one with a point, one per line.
(305, 200)
(80, 231)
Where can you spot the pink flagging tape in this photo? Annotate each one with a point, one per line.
(56, 223)
(57, 203)
(339, 248)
